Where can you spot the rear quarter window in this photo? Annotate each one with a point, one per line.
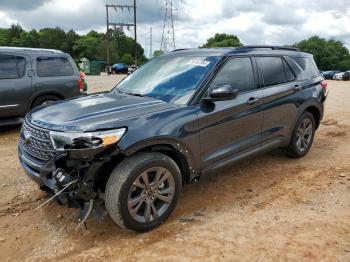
(53, 66)
(272, 70)
(308, 65)
(8, 67)
(21, 64)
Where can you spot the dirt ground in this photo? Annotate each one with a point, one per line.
(270, 208)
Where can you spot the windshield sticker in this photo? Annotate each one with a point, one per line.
(198, 62)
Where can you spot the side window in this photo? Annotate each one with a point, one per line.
(238, 73)
(8, 67)
(289, 73)
(53, 66)
(308, 65)
(21, 64)
(272, 70)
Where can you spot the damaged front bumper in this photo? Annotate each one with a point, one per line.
(74, 177)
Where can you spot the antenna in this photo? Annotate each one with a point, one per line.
(168, 35)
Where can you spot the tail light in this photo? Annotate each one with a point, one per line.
(81, 82)
(324, 85)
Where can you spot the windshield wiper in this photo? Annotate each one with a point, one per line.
(132, 94)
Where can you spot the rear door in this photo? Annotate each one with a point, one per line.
(229, 127)
(280, 96)
(15, 85)
(56, 74)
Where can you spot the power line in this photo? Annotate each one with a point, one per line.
(121, 24)
(168, 35)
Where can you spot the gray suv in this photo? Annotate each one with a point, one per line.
(31, 77)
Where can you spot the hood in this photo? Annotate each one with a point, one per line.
(92, 112)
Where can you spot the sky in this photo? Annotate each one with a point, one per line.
(278, 22)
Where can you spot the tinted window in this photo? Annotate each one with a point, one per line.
(308, 65)
(272, 70)
(238, 73)
(21, 63)
(53, 66)
(289, 73)
(8, 68)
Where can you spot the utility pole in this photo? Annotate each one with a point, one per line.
(150, 42)
(135, 35)
(168, 35)
(107, 38)
(120, 24)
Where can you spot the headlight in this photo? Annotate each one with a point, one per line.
(80, 140)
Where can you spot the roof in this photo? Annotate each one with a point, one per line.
(248, 49)
(28, 50)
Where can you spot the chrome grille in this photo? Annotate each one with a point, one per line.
(39, 144)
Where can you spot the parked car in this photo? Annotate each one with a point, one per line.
(120, 69)
(179, 116)
(32, 77)
(330, 74)
(131, 69)
(346, 76)
(338, 76)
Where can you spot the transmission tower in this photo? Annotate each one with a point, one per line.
(168, 35)
(119, 9)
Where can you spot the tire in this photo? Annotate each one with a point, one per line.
(41, 100)
(125, 185)
(299, 148)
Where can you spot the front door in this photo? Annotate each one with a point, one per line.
(229, 127)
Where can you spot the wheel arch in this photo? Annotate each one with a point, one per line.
(37, 96)
(316, 113)
(175, 150)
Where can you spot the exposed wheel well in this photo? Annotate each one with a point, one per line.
(316, 113)
(179, 158)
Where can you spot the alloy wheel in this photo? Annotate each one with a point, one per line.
(151, 194)
(304, 134)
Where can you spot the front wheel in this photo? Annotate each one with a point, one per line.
(303, 136)
(143, 190)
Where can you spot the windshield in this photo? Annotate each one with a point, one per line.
(168, 78)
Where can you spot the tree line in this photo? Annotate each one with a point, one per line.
(92, 45)
(329, 54)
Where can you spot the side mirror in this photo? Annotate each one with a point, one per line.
(222, 93)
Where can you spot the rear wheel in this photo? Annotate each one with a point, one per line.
(303, 136)
(45, 99)
(143, 190)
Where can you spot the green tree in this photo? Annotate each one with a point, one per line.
(92, 45)
(223, 40)
(71, 38)
(3, 37)
(54, 38)
(157, 53)
(328, 54)
(127, 59)
(14, 33)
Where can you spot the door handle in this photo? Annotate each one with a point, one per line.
(252, 100)
(298, 88)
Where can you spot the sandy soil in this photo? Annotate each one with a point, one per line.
(270, 208)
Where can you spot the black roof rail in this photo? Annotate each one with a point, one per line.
(273, 47)
(180, 49)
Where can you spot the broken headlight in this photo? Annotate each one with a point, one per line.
(81, 140)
